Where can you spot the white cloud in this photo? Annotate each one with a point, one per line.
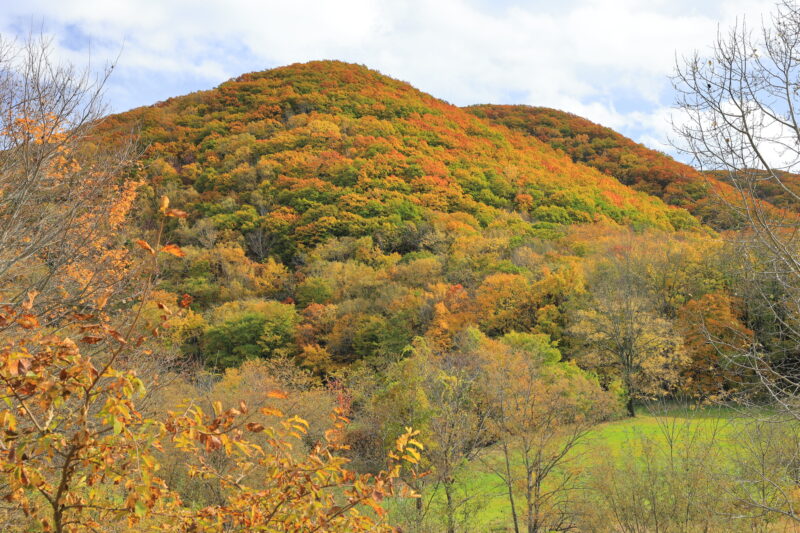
(607, 60)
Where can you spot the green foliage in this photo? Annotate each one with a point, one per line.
(538, 346)
(248, 330)
(314, 290)
(234, 341)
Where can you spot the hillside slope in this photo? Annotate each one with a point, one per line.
(336, 214)
(338, 149)
(631, 163)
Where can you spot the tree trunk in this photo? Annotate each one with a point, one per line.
(631, 410)
(418, 505)
(531, 518)
(510, 487)
(451, 521)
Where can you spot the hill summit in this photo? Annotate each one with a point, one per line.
(334, 149)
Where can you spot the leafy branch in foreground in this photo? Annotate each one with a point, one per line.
(270, 485)
(77, 455)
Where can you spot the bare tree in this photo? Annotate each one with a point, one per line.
(739, 105)
(459, 424)
(741, 119)
(62, 198)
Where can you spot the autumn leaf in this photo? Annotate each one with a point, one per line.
(28, 321)
(146, 246)
(173, 249)
(101, 301)
(176, 213)
(117, 336)
(212, 443)
(277, 394)
(269, 411)
(186, 300)
(28, 304)
(16, 365)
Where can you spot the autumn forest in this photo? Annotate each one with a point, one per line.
(317, 299)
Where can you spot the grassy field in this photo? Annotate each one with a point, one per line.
(654, 422)
(487, 506)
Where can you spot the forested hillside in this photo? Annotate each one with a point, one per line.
(613, 154)
(317, 299)
(340, 214)
(368, 139)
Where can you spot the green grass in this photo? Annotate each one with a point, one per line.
(489, 508)
(653, 423)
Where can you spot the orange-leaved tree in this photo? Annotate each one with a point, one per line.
(267, 485)
(63, 200)
(77, 455)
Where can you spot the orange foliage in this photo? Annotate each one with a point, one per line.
(712, 330)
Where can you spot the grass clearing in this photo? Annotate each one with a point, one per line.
(620, 437)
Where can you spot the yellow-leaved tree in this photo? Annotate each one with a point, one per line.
(622, 335)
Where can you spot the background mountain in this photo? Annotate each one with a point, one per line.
(631, 163)
(637, 166)
(358, 132)
(335, 213)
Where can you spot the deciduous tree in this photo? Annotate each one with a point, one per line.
(623, 336)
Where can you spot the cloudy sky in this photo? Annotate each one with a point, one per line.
(607, 60)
